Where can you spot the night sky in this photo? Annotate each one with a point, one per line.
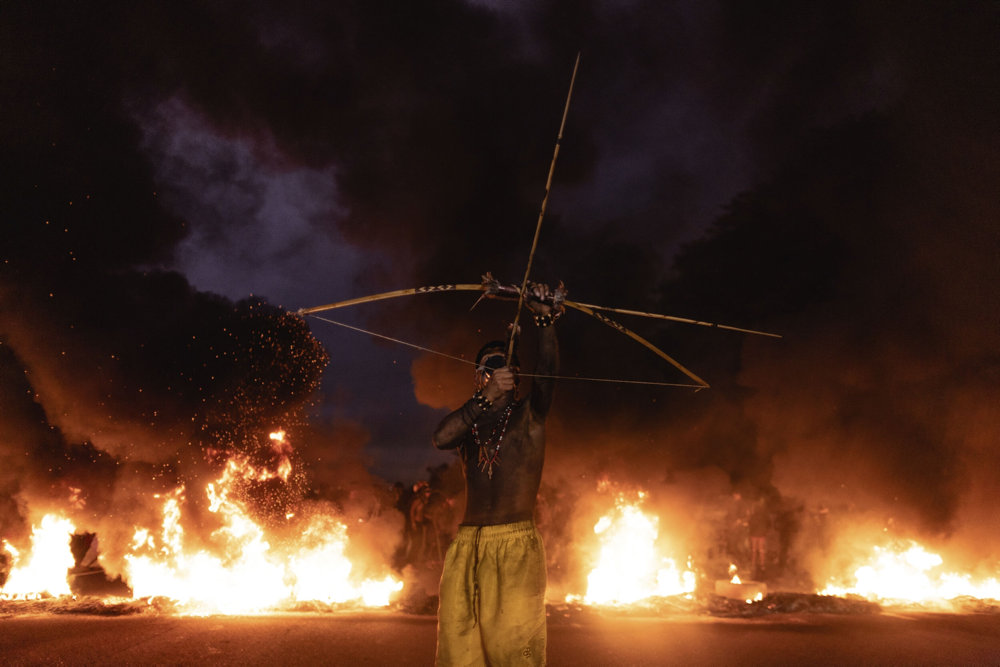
(178, 178)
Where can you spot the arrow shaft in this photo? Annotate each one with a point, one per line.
(541, 213)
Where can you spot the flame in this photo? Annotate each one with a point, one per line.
(322, 571)
(629, 566)
(283, 449)
(906, 572)
(44, 571)
(240, 568)
(251, 574)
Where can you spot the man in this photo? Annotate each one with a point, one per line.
(492, 596)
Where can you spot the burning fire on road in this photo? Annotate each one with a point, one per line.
(906, 572)
(249, 565)
(243, 566)
(629, 559)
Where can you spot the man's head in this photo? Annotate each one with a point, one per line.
(490, 357)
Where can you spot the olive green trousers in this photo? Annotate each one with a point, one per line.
(492, 597)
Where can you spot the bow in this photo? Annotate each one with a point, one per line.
(491, 288)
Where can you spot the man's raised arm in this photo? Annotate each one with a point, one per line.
(547, 364)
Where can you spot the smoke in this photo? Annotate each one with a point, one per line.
(119, 407)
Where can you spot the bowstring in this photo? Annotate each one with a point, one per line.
(394, 340)
(473, 363)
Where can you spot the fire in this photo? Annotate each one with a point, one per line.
(241, 568)
(283, 449)
(252, 574)
(908, 573)
(322, 571)
(629, 565)
(240, 581)
(44, 572)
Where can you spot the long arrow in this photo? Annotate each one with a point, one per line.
(541, 214)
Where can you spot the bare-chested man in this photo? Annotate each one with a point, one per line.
(492, 599)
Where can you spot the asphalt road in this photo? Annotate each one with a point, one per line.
(393, 638)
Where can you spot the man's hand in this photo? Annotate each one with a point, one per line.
(536, 295)
(501, 381)
(542, 300)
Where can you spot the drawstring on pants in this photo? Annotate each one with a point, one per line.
(475, 578)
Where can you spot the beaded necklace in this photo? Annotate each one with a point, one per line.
(487, 460)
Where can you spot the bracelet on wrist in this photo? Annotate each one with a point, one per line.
(480, 398)
(546, 320)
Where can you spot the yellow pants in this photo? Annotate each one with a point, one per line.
(492, 599)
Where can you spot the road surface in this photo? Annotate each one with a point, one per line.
(395, 638)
